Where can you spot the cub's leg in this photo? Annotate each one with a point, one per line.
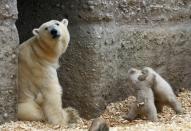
(159, 106)
(52, 105)
(132, 113)
(176, 106)
(30, 111)
(152, 113)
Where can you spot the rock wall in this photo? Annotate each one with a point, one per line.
(8, 43)
(107, 38)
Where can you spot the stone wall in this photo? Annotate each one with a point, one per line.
(107, 38)
(8, 43)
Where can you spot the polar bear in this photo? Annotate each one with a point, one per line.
(144, 104)
(39, 91)
(163, 92)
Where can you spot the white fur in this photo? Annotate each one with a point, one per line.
(39, 91)
(144, 95)
(133, 77)
(162, 87)
(163, 92)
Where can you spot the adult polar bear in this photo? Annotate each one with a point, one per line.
(38, 86)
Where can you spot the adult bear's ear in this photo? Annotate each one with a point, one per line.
(65, 22)
(35, 32)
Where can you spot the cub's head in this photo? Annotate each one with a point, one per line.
(53, 31)
(99, 124)
(148, 74)
(133, 75)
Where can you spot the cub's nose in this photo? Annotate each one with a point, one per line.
(54, 33)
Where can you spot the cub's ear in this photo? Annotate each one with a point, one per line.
(65, 22)
(35, 32)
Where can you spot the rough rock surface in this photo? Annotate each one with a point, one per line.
(8, 43)
(107, 38)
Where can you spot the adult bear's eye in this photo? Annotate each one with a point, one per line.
(46, 28)
(57, 24)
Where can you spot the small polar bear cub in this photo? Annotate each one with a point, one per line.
(144, 104)
(163, 92)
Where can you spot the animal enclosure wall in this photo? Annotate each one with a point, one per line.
(107, 38)
(8, 62)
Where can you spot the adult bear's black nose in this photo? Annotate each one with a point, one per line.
(54, 33)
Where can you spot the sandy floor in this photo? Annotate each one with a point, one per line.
(168, 120)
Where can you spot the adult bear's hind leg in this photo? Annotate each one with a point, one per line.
(30, 111)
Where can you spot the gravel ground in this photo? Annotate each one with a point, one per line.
(168, 120)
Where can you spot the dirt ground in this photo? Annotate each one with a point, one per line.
(168, 120)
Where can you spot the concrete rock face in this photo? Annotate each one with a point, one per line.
(107, 38)
(8, 42)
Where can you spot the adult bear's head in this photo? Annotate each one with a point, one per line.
(54, 34)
